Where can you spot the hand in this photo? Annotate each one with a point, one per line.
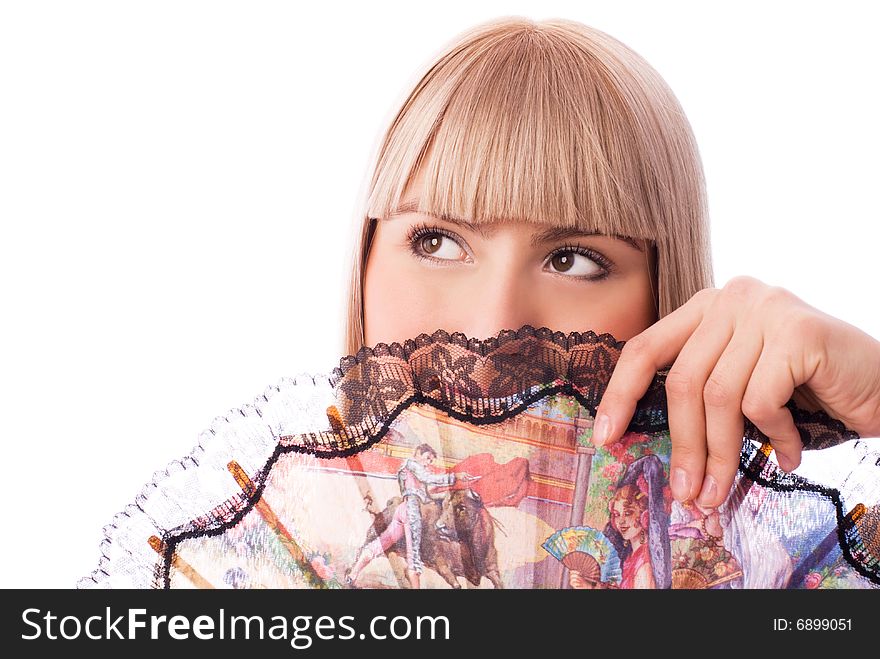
(579, 581)
(576, 580)
(745, 349)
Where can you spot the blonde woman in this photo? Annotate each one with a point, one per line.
(543, 173)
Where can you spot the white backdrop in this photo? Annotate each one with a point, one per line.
(179, 182)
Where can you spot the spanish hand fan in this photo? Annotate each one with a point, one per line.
(586, 551)
(465, 462)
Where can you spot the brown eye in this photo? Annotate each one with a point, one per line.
(431, 243)
(579, 263)
(563, 261)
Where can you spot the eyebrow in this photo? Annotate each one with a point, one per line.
(548, 235)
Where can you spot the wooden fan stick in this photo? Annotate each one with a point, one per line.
(592, 582)
(269, 516)
(177, 562)
(725, 579)
(864, 521)
(355, 465)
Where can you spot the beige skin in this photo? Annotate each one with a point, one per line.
(742, 350)
(480, 285)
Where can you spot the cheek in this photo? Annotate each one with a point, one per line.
(631, 309)
(639, 314)
(404, 298)
(396, 305)
(621, 307)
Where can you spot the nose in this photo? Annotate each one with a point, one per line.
(503, 301)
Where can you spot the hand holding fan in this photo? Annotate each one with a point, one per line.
(446, 462)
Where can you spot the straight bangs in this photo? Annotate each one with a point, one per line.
(524, 126)
(548, 123)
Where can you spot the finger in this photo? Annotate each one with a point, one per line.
(723, 396)
(641, 358)
(769, 389)
(685, 405)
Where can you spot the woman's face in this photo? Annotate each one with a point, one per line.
(625, 518)
(454, 277)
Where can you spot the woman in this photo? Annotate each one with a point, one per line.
(637, 529)
(628, 516)
(637, 526)
(543, 173)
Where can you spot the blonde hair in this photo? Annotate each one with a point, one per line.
(549, 122)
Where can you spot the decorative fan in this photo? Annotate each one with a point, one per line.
(587, 551)
(464, 462)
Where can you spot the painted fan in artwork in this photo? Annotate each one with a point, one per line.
(586, 551)
(450, 462)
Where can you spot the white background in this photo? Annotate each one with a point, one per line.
(179, 182)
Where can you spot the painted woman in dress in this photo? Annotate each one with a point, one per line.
(628, 512)
(638, 528)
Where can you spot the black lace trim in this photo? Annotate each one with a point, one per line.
(487, 381)
(519, 368)
(857, 530)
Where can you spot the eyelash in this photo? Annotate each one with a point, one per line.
(417, 232)
(593, 255)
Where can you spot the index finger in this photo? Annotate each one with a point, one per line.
(642, 356)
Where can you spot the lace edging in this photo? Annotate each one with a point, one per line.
(479, 346)
(298, 425)
(214, 444)
(379, 382)
(858, 551)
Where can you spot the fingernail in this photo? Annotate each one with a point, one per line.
(709, 491)
(601, 430)
(681, 484)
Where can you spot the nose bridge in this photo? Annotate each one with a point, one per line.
(504, 301)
